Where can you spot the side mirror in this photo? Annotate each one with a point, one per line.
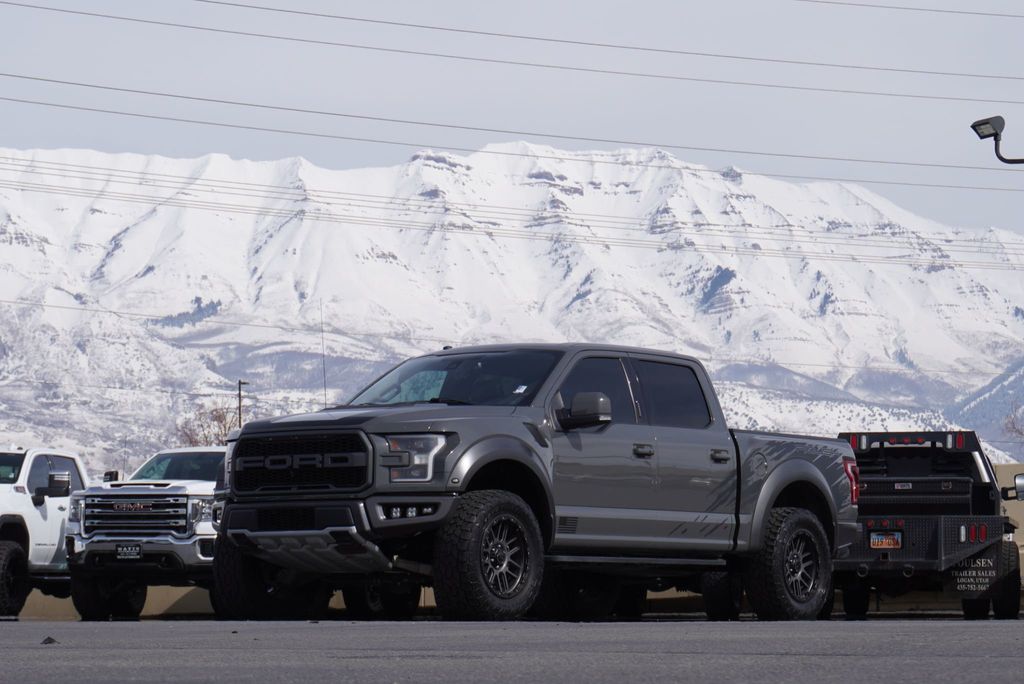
(58, 486)
(588, 409)
(1018, 489)
(111, 476)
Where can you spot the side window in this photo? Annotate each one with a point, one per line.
(39, 474)
(673, 394)
(63, 464)
(601, 375)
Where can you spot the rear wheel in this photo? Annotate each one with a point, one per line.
(488, 558)
(723, 594)
(382, 600)
(14, 584)
(975, 609)
(856, 601)
(791, 576)
(1006, 597)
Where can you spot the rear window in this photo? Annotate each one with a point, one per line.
(10, 467)
(196, 465)
(673, 394)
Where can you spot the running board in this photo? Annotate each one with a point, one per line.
(633, 560)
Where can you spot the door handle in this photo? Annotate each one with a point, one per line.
(62, 508)
(720, 455)
(643, 450)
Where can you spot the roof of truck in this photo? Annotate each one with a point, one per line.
(560, 346)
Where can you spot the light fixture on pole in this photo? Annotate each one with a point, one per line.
(992, 127)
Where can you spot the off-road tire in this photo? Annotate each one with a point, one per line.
(243, 592)
(127, 601)
(766, 579)
(14, 584)
(383, 601)
(856, 601)
(91, 597)
(722, 591)
(1006, 597)
(460, 586)
(975, 608)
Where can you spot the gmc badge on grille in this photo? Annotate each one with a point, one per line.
(132, 507)
(285, 462)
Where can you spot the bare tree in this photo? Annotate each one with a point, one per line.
(208, 425)
(1014, 424)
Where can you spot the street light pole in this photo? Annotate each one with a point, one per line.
(992, 127)
(240, 383)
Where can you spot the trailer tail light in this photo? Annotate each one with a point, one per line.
(853, 475)
(853, 442)
(982, 532)
(972, 533)
(959, 440)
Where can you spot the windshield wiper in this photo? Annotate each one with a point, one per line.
(449, 401)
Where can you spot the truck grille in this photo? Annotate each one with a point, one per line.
(135, 515)
(303, 462)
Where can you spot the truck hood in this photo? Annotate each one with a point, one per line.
(426, 417)
(137, 487)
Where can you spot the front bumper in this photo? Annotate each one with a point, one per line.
(330, 537)
(165, 559)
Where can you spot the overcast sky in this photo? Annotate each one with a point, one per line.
(131, 55)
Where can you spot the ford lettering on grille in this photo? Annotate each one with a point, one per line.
(300, 462)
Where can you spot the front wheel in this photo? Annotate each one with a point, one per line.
(14, 584)
(100, 598)
(791, 576)
(488, 558)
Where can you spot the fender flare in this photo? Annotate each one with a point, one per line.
(786, 474)
(501, 448)
(17, 521)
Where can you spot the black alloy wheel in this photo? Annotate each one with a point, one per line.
(503, 556)
(802, 566)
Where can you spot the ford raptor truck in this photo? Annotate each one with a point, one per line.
(556, 479)
(35, 486)
(931, 516)
(155, 528)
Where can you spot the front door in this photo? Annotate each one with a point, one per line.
(46, 520)
(603, 476)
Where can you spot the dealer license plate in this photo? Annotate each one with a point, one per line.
(128, 551)
(887, 540)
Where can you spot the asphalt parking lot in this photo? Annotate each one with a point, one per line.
(942, 648)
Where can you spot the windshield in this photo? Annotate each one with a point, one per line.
(191, 465)
(509, 378)
(10, 467)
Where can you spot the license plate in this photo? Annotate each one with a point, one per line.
(887, 540)
(128, 551)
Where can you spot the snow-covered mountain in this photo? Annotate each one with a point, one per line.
(821, 306)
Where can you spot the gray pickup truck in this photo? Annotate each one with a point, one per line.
(562, 480)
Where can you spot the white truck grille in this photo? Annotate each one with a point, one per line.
(135, 515)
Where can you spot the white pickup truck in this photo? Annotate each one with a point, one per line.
(155, 528)
(35, 485)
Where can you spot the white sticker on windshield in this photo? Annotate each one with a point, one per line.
(520, 389)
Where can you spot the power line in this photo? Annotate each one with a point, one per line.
(913, 9)
(511, 233)
(598, 44)
(397, 204)
(252, 396)
(745, 231)
(510, 62)
(380, 141)
(503, 131)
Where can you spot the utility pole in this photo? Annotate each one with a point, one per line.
(323, 350)
(240, 383)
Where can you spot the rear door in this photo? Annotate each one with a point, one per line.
(603, 476)
(696, 453)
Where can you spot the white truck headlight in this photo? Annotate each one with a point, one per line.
(415, 462)
(200, 509)
(75, 509)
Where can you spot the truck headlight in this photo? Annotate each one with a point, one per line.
(227, 464)
(75, 509)
(200, 509)
(413, 456)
